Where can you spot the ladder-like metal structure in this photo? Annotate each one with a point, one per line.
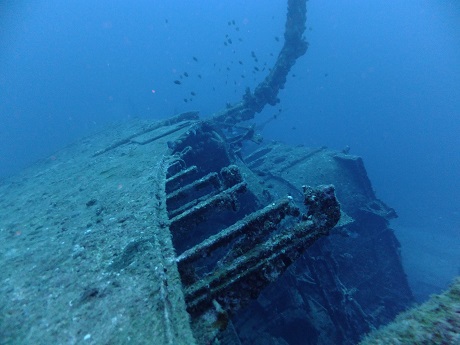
(229, 245)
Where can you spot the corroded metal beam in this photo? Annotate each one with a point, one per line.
(194, 214)
(272, 213)
(244, 276)
(190, 190)
(174, 182)
(267, 91)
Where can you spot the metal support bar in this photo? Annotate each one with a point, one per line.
(174, 181)
(272, 213)
(242, 279)
(225, 199)
(212, 179)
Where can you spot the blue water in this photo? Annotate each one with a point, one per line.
(381, 77)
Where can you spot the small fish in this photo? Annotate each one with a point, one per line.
(229, 41)
(242, 76)
(240, 39)
(229, 23)
(194, 58)
(185, 100)
(193, 93)
(166, 21)
(225, 43)
(186, 74)
(237, 28)
(199, 76)
(233, 21)
(178, 82)
(256, 68)
(240, 62)
(277, 39)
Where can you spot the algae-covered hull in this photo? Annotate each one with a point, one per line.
(85, 253)
(161, 232)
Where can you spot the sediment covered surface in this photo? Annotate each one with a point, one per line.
(83, 248)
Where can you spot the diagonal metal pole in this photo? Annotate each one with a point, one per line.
(267, 91)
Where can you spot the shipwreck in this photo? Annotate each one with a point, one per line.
(169, 232)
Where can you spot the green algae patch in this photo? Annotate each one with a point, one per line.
(435, 322)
